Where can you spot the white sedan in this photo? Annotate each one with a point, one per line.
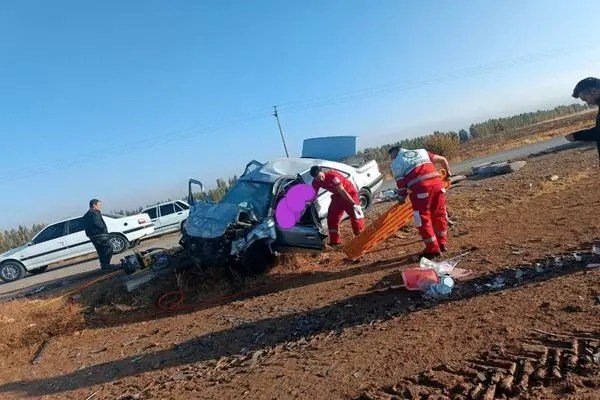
(66, 239)
(168, 217)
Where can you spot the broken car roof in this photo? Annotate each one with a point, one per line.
(273, 170)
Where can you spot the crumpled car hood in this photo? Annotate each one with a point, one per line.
(210, 221)
(264, 230)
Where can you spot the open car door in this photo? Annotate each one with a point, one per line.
(307, 235)
(192, 197)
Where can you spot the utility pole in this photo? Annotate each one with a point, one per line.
(276, 115)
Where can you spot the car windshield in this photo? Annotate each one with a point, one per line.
(255, 194)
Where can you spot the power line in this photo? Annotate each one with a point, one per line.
(276, 115)
(123, 149)
(405, 86)
(289, 107)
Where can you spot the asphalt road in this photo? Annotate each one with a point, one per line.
(464, 167)
(69, 273)
(72, 271)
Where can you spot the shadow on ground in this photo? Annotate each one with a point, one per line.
(358, 310)
(273, 284)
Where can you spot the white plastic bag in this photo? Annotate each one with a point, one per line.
(358, 212)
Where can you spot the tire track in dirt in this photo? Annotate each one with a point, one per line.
(543, 360)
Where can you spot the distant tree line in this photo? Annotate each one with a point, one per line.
(212, 195)
(443, 143)
(448, 143)
(17, 237)
(499, 125)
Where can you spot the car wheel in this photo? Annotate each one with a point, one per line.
(119, 243)
(183, 226)
(11, 271)
(366, 199)
(258, 258)
(39, 270)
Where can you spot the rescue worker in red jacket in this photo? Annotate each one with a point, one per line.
(344, 199)
(417, 176)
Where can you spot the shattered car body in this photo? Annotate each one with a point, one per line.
(241, 230)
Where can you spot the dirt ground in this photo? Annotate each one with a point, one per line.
(314, 330)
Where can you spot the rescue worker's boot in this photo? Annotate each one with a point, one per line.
(334, 247)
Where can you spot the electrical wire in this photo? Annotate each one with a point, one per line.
(157, 140)
(405, 86)
(124, 149)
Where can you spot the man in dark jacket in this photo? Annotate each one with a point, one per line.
(588, 90)
(95, 229)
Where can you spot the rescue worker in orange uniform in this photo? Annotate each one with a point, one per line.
(344, 199)
(417, 177)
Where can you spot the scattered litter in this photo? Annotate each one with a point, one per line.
(440, 268)
(93, 394)
(36, 290)
(460, 273)
(558, 262)
(447, 267)
(498, 168)
(592, 266)
(434, 279)
(539, 269)
(6, 320)
(498, 283)
(597, 358)
(519, 273)
(441, 289)
(386, 195)
(419, 278)
(553, 178)
(256, 355)
(38, 356)
(101, 350)
(577, 257)
(596, 250)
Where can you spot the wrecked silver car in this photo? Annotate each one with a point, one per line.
(241, 231)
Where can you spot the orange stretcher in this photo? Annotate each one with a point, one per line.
(397, 217)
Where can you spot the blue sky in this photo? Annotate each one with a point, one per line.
(125, 101)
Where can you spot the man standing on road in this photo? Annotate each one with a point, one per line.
(95, 229)
(344, 199)
(416, 176)
(588, 90)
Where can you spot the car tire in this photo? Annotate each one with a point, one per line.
(39, 270)
(11, 271)
(258, 258)
(183, 225)
(119, 243)
(366, 199)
